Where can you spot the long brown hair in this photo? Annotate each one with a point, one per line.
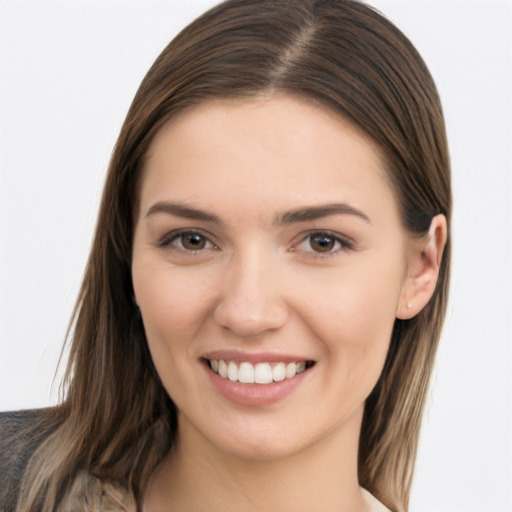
(116, 421)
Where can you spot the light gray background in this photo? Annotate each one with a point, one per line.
(68, 71)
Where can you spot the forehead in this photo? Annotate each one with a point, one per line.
(262, 152)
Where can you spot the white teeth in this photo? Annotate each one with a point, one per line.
(291, 370)
(300, 367)
(232, 371)
(279, 372)
(223, 369)
(246, 373)
(261, 373)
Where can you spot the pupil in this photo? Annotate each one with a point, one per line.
(322, 243)
(193, 242)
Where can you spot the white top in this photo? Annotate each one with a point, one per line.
(373, 503)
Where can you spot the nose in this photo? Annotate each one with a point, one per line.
(251, 302)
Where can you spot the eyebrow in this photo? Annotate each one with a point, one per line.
(318, 212)
(182, 210)
(299, 215)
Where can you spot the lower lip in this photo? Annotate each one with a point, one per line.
(255, 394)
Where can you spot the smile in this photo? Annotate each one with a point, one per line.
(259, 373)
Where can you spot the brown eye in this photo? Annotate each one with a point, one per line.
(322, 242)
(193, 241)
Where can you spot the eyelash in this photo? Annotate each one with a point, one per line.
(168, 239)
(343, 244)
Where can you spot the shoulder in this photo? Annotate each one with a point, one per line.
(21, 433)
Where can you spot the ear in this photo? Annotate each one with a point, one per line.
(423, 262)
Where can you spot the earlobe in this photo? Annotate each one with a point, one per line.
(423, 269)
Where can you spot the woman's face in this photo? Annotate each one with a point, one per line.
(267, 242)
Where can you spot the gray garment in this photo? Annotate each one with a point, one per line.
(21, 432)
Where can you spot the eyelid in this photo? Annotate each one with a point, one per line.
(345, 242)
(166, 241)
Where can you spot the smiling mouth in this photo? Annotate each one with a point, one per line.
(259, 373)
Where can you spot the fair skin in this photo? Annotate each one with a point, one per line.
(267, 234)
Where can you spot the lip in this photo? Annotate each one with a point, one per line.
(255, 395)
(260, 357)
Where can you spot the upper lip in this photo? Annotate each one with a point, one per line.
(259, 357)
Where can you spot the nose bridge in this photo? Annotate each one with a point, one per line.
(251, 300)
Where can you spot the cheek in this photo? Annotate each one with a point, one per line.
(352, 313)
(174, 303)
(357, 304)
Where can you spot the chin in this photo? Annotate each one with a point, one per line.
(262, 448)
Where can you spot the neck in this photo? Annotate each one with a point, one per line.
(196, 477)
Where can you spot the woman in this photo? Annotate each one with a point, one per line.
(266, 288)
